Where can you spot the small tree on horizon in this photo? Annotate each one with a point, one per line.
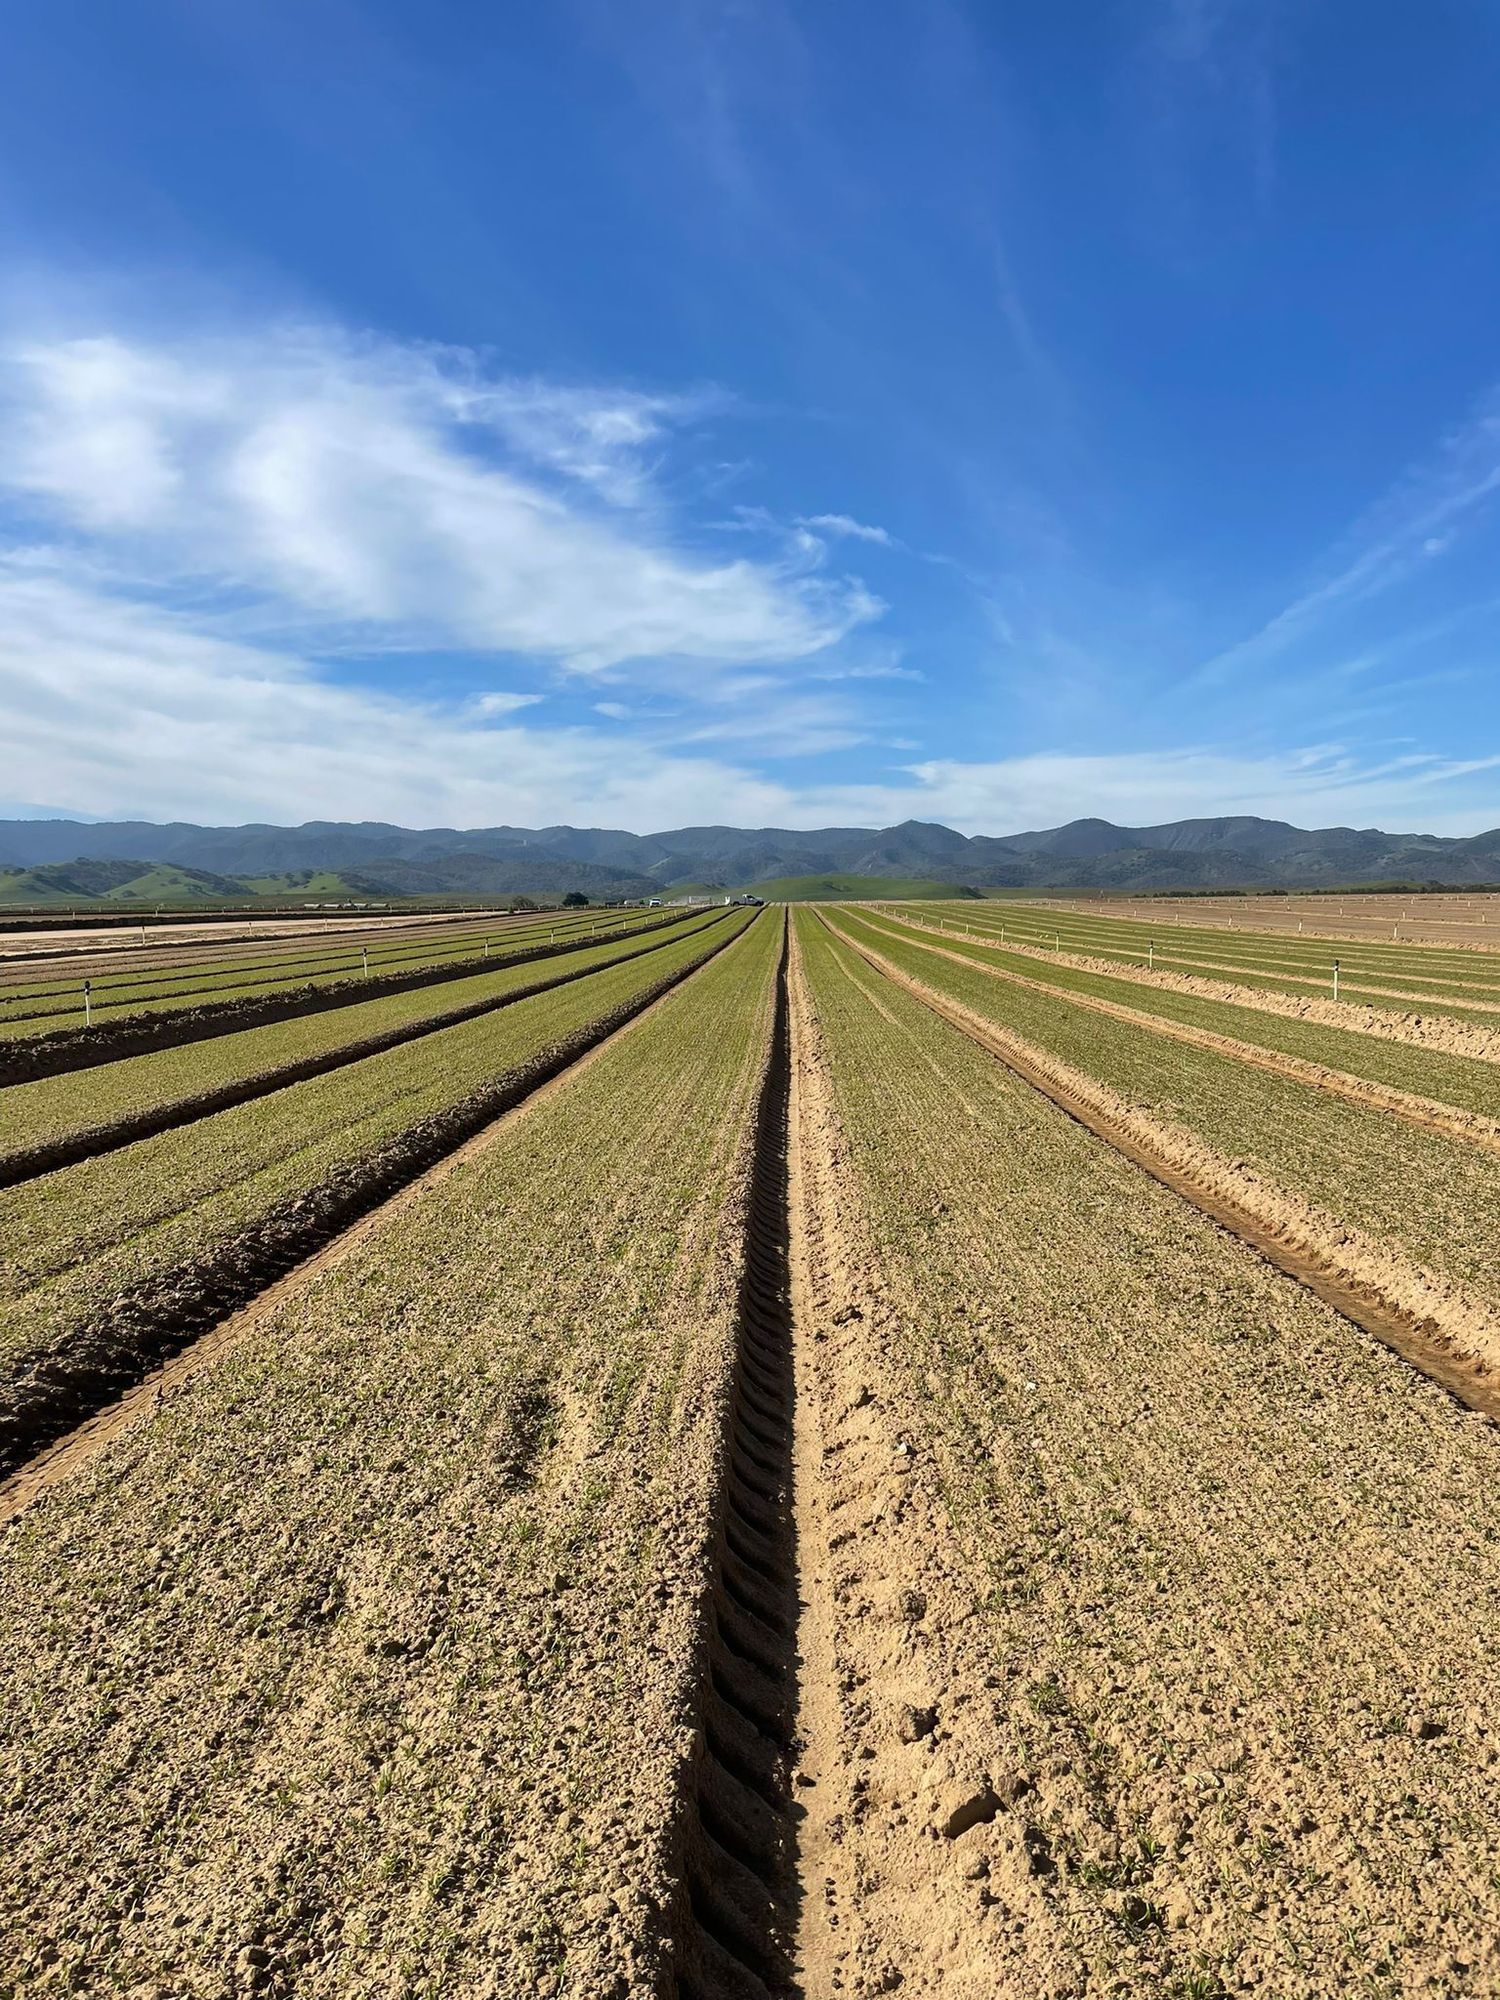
(575, 900)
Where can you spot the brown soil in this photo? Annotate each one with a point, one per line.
(1423, 1031)
(901, 1859)
(1447, 1333)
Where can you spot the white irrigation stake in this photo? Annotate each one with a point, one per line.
(88, 1005)
(1151, 954)
(1335, 979)
(365, 955)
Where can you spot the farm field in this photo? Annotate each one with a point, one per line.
(45, 938)
(107, 1258)
(1355, 1166)
(90, 1110)
(40, 1002)
(1462, 984)
(789, 1454)
(1461, 917)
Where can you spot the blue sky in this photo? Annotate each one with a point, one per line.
(646, 414)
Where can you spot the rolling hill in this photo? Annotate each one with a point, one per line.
(371, 858)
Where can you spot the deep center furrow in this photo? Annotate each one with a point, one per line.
(739, 1869)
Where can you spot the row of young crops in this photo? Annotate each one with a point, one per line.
(1463, 983)
(437, 1632)
(40, 1006)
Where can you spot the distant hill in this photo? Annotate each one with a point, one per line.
(371, 858)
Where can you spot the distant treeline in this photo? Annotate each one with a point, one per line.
(1354, 889)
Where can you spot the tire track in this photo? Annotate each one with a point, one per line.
(1453, 1123)
(161, 1317)
(737, 1920)
(91, 1142)
(1451, 1337)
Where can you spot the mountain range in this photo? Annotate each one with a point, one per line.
(65, 857)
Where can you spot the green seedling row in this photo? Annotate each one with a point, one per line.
(1465, 985)
(78, 1239)
(54, 1107)
(1436, 1200)
(1462, 1081)
(111, 999)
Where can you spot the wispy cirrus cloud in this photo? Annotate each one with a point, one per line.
(846, 525)
(1420, 520)
(395, 493)
(1211, 69)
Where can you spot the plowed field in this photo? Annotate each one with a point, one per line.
(765, 1457)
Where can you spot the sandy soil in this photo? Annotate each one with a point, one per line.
(897, 1777)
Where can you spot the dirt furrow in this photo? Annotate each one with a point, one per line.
(899, 1780)
(1451, 1336)
(27, 1163)
(1444, 1033)
(156, 1320)
(1449, 1119)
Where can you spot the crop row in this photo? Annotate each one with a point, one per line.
(1436, 1200)
(58, 1119)
(1234, 1552)
(24, 1059)
(110, 1258)
(29, 1010)
(129, 962)
(1463, 984)
(370, 1665)
(1464, 1082)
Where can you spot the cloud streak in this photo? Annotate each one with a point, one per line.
(1414, 524)
(393, 497)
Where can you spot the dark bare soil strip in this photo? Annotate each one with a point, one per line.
(27, 1060)
(145, 1325)
(1419, 1339)
(91, 1141)
(736, 1926)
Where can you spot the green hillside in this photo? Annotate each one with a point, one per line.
(855, 888)
(115, 882)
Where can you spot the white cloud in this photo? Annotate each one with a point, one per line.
(615, 710)
(107, 704)
(1320, 785)
(394, 495)
(844, 524)
(498, 702)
